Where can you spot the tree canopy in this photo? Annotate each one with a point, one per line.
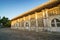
(5, 22)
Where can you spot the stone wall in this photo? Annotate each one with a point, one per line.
(36, 20)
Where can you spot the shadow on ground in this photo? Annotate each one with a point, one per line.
(9, 34)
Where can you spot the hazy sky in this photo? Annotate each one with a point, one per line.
(13, 8)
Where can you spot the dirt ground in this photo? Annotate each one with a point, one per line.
(10, 34)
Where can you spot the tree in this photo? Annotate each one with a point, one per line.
(5, 22)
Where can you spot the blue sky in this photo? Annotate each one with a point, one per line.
(13, 8)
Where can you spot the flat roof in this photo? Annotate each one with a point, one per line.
(49, 4)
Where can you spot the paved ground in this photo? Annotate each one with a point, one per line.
(8, 34)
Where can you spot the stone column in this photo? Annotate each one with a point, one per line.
(55, 22)
(44, 18)
(55, 19)
(24, 22)
(45, 15)
(36, 22)
(29, 23)
(12, 25)
(47, 26)
(18, 23)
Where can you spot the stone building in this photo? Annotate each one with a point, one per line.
(45, 17)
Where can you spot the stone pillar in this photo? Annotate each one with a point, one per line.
(47, 13)
(55, 22)
(44, 18)
(18, 23)
(24, 22)
(55, 19)
(29, 23)
(47, 26)
(36, 22)
(15, 23)
(12, 25)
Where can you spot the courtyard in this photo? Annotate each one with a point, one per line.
(12, 34)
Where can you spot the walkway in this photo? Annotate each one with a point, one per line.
(8, 34)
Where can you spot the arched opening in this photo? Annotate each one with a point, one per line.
(55, 23)
(27, 24)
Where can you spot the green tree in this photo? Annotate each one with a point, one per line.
(5, 22)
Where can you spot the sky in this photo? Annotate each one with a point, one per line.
(13, 8)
